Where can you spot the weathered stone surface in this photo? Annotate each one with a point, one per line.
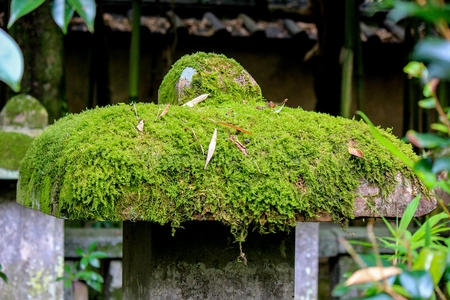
(23, 111)
(393, 204)
(306, 261)
(200, 262)
(31, 253)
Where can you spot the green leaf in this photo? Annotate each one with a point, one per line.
(84, 263)
(419, 284)
(341, 289)
(414, 69)
(428, 103)
(94, 262)
(433, 261)
(98, 254)
(408, 214)
(389, 146)
(95, 285)
(420, 233)
(439, 127)
(380, 296)
(67, 283)
(86, 9)
(79, 252)
(92, 246)
(67, 268)
(427, 140)
(20, 8)
(11, 61)
(435, 52)
(4, 277)
(62, 12)
(441, 164)
(429, 12)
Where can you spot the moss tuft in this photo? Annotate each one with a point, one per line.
(13, 147)
(97, 166)
(221, 77)
(24, 111)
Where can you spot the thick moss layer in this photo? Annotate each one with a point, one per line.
(24, 111)
(13, 147)
(96, 165)
(221, 77)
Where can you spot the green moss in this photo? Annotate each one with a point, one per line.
(24, 111)
(221, 77)
(96, 165)
(13, 147)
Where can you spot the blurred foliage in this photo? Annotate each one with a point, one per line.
(11, 59)
(85, 269)
(3, 275)
(421, 259)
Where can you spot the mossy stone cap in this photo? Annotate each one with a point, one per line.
(207, 73)
(98, 165)
(24, 111)
(13, 146)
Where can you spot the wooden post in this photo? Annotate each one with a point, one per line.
(137, 260)
(306, 260)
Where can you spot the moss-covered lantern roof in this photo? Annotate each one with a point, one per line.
(270, 167)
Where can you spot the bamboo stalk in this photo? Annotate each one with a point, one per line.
(348, 54)
(135, 51)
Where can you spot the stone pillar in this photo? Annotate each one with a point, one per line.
(201, 262)
(31, 243)
(306, 260)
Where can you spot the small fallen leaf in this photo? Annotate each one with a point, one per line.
(260, 107)
(372, 274)
(196, 100)
(284, 101)
(231, 126)
(211, 148)
(140, 125)
(352, 150)
(243, 101)
(165, 110)
(271, 104)
(238, 144)
(278, 110)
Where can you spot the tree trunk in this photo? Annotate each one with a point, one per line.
(41, 42)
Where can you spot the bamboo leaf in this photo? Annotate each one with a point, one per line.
(372, 274)
(140, 125)
(238, 144)
(352, 150)
(196, 100)
(408, 214)
(231, 126)
(165, 110)
(211, 148)
(389, 146)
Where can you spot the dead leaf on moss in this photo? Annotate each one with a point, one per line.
(231, 126)
(196, 100)
(372, 274)
(165, 110)
(211, 148)
(352, 150)
(238, 144)
(260, 107)
(140, 125)
(271, 104)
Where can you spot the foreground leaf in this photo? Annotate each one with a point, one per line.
(11, 61)
(211, 148)
(419, 284)
(20, 8)
(86, 10)
(426, 140)
(165, 110)
(62, 12)
(196, 100)
(372, 274)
